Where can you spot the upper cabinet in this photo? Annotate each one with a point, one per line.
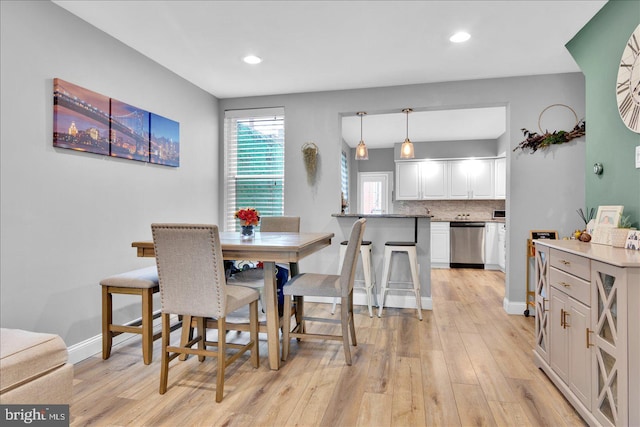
(471, 179)
(450, 179)
(421, 180)
(501, 178)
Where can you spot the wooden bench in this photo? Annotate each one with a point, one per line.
(143, 282)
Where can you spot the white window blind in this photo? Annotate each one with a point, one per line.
(254, 162)
(344, 174)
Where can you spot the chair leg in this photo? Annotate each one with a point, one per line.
(352, 325)
(164, 367)
(413, 262)
(186, 334)
(222, 352)
(147, 326)
(202, 333)
(366, 269)
(385, 279)
(253, 322)
(107, 319)
(286, 326)
(344, 323)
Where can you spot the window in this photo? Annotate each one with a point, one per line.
(374, 192)
(254, 163)
(344, 175)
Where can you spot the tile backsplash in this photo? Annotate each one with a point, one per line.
(448, 209)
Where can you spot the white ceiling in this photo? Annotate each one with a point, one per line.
(310, 46)
(383, 130)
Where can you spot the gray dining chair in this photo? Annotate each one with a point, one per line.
(192, 285)
(326, 285)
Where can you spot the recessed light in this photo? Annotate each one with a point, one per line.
(460, 37)
(252, 59)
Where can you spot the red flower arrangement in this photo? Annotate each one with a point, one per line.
(248, 216)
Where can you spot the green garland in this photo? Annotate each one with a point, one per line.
(535, 141)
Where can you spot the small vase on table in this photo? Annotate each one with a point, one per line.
(247, 232)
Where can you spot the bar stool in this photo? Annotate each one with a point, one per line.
(367, 268)
(410, 249)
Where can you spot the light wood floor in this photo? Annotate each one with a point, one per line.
(467, 363)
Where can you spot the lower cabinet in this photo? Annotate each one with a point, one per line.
(569, 355)
(587, 334)
(440, 250)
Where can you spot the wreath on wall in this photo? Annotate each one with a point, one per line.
(534, 140)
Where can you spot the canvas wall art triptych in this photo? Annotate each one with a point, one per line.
(84, 120)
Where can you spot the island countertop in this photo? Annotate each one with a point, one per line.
(361, 215)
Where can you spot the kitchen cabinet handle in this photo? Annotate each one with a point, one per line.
(565, 284)
(588, 343)
(565, 262)
(562, 318)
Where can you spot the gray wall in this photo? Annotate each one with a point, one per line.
(68, 218)
(544, 189)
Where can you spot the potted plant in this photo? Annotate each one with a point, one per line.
(619, 235)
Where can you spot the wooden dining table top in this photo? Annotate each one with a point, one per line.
(265, 246)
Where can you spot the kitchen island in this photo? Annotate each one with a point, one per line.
(395, 227)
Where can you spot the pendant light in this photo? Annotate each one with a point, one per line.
(406, 151)
(361, 150)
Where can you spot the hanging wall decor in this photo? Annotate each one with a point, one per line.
(535, 141)
(310, 156)
(87, 121)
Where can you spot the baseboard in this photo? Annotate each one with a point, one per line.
(514, 307)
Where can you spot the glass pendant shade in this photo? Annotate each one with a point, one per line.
(362, 153)
(406, 151)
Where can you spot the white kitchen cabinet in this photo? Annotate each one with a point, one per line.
(471, 179)
(421, 180)
(500, 178)
(491, 260)
(434, 179)
(587, 339)
(440, 249)
(408, 180)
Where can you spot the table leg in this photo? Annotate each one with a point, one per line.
(273, 320)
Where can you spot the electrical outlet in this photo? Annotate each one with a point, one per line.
(638, 157)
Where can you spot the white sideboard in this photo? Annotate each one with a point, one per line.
(587, 327)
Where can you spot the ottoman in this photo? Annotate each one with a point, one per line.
(34, 368)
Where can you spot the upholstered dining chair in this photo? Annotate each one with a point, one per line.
(192, 284)
(326, 285)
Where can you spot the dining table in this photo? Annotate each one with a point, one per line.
(270, 248)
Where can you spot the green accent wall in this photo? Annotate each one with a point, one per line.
(597, 49)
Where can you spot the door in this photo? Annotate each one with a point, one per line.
(374, 192)
(433, 176)
(558, 342)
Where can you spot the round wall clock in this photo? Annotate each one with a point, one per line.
(628, 84)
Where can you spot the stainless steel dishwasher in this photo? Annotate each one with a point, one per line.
(467, 244)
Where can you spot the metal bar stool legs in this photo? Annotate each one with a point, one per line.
(410, 249)
(368, 272)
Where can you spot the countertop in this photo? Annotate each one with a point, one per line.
(608, 254)
(438, 219)
(355, 215)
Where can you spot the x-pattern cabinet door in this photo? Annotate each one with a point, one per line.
(542, 301)
(609, 342)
